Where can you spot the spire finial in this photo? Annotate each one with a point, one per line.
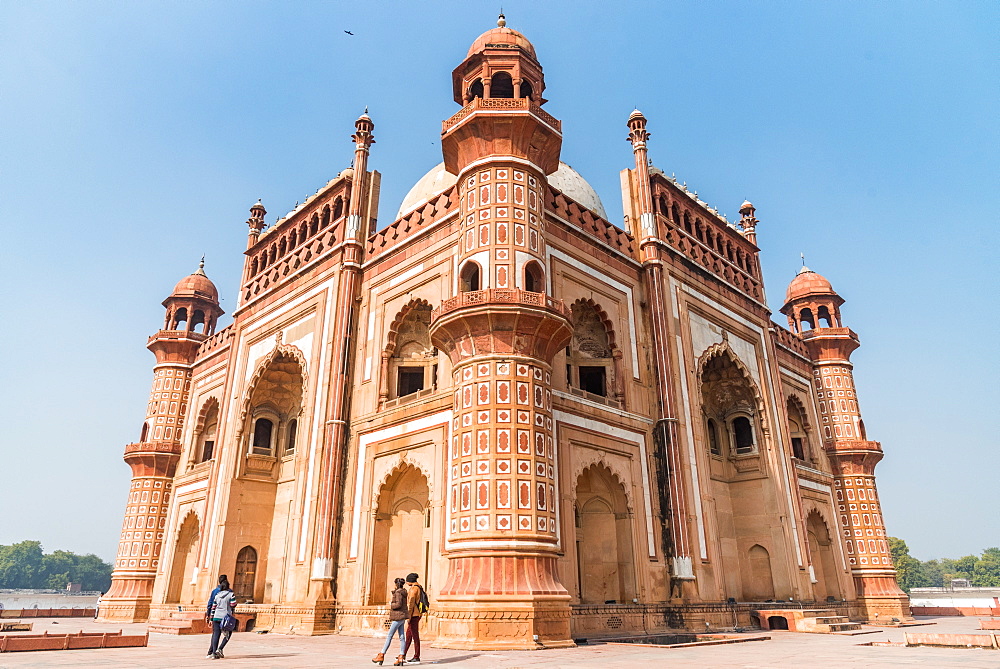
(201, 266)
(501, 20)
(803, 256)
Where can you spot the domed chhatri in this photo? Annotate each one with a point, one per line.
(502, 37)
(196, 284)
(807, 283)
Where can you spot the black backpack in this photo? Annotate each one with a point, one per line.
(424, 604)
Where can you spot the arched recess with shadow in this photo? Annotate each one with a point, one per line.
(185, 560)
(747, 500)
(604, 542)
(266, 481)
(401, 534)
(824, 559)
(760, 584)
(593, 359)
(409, 360)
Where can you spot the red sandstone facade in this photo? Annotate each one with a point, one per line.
(566, 427)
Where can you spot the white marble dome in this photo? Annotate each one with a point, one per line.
(565, 179)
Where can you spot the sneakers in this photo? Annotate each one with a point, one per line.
(210, 656)
(415, 660)
(219, 655)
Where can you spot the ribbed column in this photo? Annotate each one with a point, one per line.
(153, 462)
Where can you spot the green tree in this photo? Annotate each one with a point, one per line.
(20, 564)
(909, 570)
(91, 572)
(986, 573)
(934, 573)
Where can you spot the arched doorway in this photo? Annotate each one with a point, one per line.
(401, 539)
(823, 560)
(245, 576)
(179, 589)
(761, 582)
(603, 539)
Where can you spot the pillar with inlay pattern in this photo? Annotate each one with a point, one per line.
(502, 524)
(813, 310)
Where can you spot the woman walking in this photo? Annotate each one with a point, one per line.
(221, 604)
(398, 617)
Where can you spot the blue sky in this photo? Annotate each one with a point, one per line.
(136, 136)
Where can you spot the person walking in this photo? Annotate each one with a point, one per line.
(221, 603)
(414, 609)
(398, 617)
(97, 607)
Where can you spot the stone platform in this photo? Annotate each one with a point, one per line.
(265, 651)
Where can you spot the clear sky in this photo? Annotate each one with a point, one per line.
(135, 136)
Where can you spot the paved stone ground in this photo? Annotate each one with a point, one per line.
(785, 650)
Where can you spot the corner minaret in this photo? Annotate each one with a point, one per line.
(665, 435)
(501, 331)
(813, 311)
(192, 312)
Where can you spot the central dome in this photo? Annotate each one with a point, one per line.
(565, 180)
(503, 37)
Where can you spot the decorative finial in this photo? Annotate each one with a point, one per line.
(366, 109)
(803, 256)
(501, 20)
(201, 266)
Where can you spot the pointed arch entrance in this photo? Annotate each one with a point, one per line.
(401, 536)
(823, 559)
(605, 560)
(179, 589)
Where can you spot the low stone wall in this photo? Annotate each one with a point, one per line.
(954, 611)
(953, 640)
(47, 599)
(47, 613)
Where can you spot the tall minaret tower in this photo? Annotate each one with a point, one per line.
(501, 330)
(192, 312)
(813, 311)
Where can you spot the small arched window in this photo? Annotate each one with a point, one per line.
(144, 432)
(293, 427)
(713, 438)
(338, 208)
(743, 434)
(501, 85)
(469, 277)
(180, 319)
(263, 430)
(806, 321)
(534, 280)
(526, 91)
(824, 317)
(476, 90)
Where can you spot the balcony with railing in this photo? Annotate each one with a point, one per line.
(501, 296)
(167, 447)
(502, 104)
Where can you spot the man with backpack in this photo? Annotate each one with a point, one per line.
(417, 605)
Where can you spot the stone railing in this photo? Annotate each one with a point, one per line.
(216, 341)
(509, 104)
(178, 334)
(413, 222)
(785, 339)
(590, 223)
(854, 445)
(501, 296)
(172, 448)
(709, 258)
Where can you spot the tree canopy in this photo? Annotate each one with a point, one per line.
(982, 571)
(24, 565)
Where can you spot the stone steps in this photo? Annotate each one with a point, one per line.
(181, 622)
